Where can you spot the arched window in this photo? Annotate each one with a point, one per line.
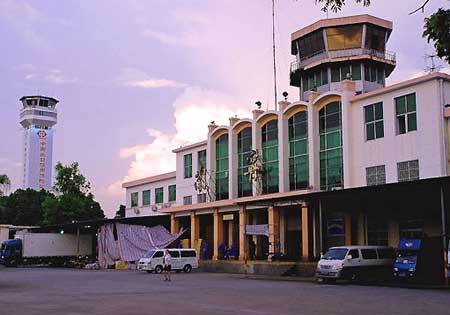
(222, 167)
(298, 151)
(244, 150)
(331, 163)
(270, 157)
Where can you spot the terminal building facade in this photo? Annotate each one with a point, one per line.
(351, 162)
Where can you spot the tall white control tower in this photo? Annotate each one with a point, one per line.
(37, 117)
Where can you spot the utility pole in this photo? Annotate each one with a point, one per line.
(274, 55)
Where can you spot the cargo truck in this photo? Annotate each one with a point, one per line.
(44, 248)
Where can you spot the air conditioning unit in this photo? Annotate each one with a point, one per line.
(154, 208)
(136, 210)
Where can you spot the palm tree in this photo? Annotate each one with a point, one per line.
(5, 184)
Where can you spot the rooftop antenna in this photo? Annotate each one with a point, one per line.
(274, 55)
(433, 67)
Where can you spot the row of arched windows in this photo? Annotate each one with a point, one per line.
(331, 163)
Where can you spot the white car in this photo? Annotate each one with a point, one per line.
(184, 259)
(355, 263)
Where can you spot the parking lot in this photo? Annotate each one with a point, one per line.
(68, 291)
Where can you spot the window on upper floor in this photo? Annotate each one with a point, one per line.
(376, 175)
(159, 195)
(188, 165)
(201, 159)
(345, 71)
(134, 199)
(298, 151)
(405, 109)
(408, 170)
(201, 198)
(187, 200)
(315, 79)
(269, 139)
(373, 119)
(172, 193)
(374, 73)
(146, 197)
(244, 151)
(222, 167)
(344, 37)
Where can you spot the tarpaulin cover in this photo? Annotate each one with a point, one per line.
(133, 242)
(257, 229)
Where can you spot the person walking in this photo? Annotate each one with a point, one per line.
(167, 262)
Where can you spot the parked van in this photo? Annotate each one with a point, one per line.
(355, 263)
(182, 259)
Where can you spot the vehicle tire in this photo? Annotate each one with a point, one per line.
(158, 269)
(354, 276)
(187, 268)
(149, 271)
(331, 281)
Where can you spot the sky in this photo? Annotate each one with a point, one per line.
(136, 79)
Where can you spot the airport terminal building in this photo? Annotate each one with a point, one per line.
(352, 161)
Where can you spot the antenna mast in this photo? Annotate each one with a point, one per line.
(274, 55)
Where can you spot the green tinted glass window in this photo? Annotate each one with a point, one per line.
(172, 193)
(201, 159)
(244, 151)
(373, 118)
(405, 108)
(298, 151)
(134, 199)
(188, 166)
(159, 195)
(222, 167)
(146, 197)
(331, 163)
(356, 72)
(335, 74)
(269, 139)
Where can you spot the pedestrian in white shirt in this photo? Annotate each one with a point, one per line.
(167, 262)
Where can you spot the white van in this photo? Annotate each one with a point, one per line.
(182, 259)
(355, 263)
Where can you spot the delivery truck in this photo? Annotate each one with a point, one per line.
(44, 248)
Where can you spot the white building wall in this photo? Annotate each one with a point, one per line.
(153, 208)
(423, 144)
(185, 186)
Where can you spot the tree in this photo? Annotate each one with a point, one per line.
(24, 207)
(121, 212)
(5, 184)
(74, 202)
(436, 27)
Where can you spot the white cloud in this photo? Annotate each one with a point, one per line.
(162, 37)
(58, 77)
(193, 105)
(155, 83)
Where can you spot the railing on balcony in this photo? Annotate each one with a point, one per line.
(343, 53)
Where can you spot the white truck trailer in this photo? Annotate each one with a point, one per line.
(55, 248)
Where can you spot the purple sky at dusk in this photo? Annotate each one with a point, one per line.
(136, 79)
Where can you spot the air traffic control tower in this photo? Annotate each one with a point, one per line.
(37, 118)
(332, 50)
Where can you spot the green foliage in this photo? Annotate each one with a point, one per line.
(336, 5)
(437, 30)
(74, 202)
(69, 180)
(121, 212)
(24, 207)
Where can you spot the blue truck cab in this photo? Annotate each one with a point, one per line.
(11, 252)
(409, 252)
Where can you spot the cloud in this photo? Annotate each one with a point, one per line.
(194, 104)
(58, 77)
(133, 77)
(162, 37)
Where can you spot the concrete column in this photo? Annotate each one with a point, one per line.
(211, 158)
(195, 230)
(283, 231)
(283, 154)
(361, 229)
(313, 142)
(348, 91)
(174, 224)
(242, 238)
(347, 228)
(393, 233)
(256, 145)
(305, 234)
(218, 233)
(274, 230)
